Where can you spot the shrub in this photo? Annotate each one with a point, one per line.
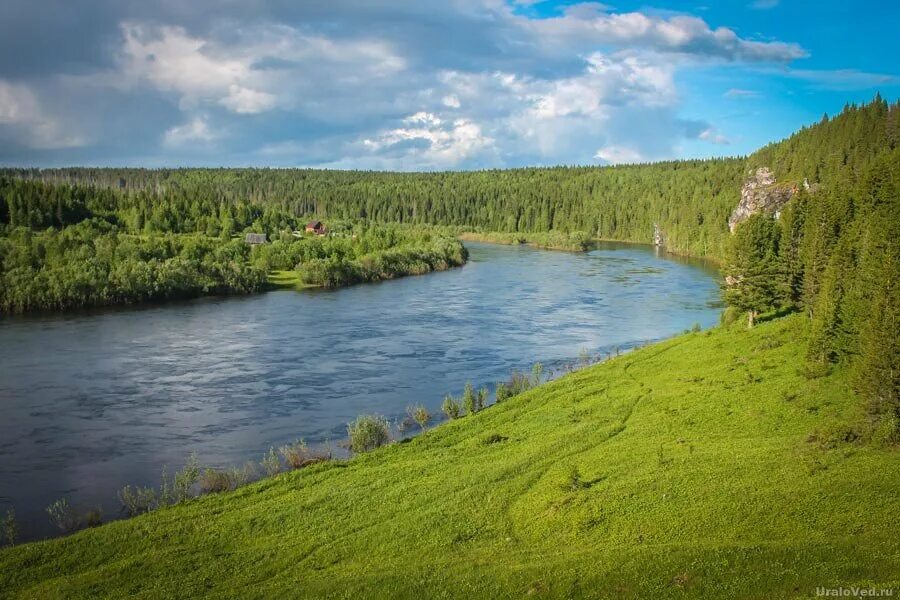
(368, 432)
(186, 478)
(270, 463)
(730, 315)
(244, 475)
(451, 407)
(419, 414)
(93, 517)
(470, 402)
(502, 392)
(137, 500)
(10, 528)
(537, 374)
(298, 455)
(696, 328)
(62, 515)
(213, 481)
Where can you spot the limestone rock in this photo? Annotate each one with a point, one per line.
(760, 194)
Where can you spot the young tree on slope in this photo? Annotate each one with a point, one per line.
(753, 276)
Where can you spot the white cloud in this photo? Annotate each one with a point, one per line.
(195, 130)
(431, 141)
(246, 101)
(618, 155)
(585, 25)
(451, 101)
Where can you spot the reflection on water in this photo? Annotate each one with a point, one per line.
(92, 401)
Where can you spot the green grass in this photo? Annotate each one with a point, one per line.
(287, 279)
(708, 467)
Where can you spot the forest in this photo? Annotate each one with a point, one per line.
(73, 246)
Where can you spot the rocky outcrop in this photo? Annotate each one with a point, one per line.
(760, 194)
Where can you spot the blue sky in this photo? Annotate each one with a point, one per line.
(460, 84)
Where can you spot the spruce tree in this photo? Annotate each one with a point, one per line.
(754, 279)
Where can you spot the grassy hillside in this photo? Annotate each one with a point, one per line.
(703, 466)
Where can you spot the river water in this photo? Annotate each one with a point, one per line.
(91, 401)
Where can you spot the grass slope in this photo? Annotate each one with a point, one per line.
(708, 468)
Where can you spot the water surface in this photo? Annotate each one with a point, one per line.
(92, 401)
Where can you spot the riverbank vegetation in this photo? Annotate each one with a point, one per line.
(575, 241)
(64, 247)
(702, 466)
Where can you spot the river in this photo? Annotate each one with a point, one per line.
(95, 400)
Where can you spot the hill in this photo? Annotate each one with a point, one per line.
(703, 466)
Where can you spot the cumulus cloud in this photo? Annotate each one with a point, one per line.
(431, 142)
(615, 155)
(591, 24)
(195, 130)
(473, 83)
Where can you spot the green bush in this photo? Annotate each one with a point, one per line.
(451, 407)
(470, 401)
(271, 463)
(10, 528)
(419, 414)
(62, 515)
(368, 432)
(137, 500)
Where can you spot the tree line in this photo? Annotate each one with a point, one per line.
(834, 251)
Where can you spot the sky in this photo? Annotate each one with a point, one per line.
(415, 85)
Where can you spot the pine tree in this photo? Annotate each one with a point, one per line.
(754, 279)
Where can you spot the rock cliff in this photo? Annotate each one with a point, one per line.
(760, 194)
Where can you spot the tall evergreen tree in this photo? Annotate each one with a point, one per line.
(754, 278)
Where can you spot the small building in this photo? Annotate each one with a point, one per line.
(255, 238)
(316, 227)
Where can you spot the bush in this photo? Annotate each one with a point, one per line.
(213, 481)
(469, 401)
(62, 515)
(451, 407)
(368, 432)
(179, 488)
(419, 414)
(481, 400)
(502, 392)
(10, 528)
(270, 463)
(298, 455)
(93, 517)
(137, 500)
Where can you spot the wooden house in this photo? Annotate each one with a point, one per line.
(316, 227)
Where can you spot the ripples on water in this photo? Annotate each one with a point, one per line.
(93, 401)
